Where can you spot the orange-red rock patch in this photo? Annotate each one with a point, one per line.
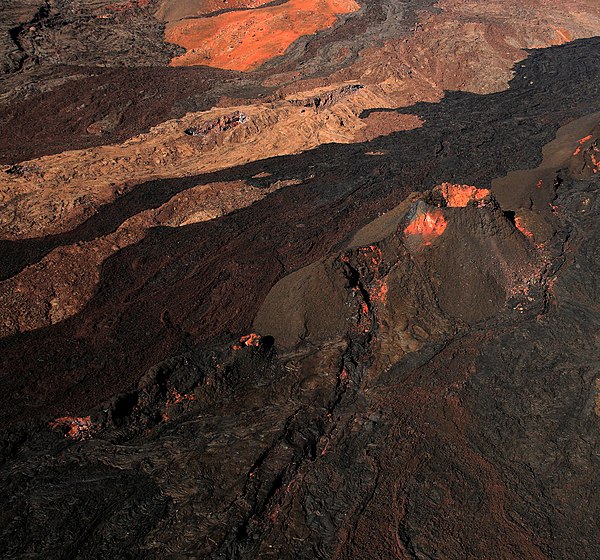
(458, 196)
(522, 228)
(428, 224)
(244, 40)
(74, 428)
(251, 339)
(581, 143)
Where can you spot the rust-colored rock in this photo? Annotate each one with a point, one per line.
(243, 40)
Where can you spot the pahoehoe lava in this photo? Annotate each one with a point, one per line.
(387, 353)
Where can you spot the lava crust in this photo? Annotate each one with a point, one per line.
(300, 280)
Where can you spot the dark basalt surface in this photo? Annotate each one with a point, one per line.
(130, 100)
(480, 441)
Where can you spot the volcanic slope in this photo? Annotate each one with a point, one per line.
(417, 383)
(46, 197)
(417, 412)
(321, 309)
(207, 278)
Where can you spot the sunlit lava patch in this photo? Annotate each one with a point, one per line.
(428, 225)
(250, 340)
(595, 161)
(243, 40)
(458, 196)
(344, 380)
(380, 292)
(521, 227)
(374, 255)
(175, 398)
(581, 143)
(73, 427)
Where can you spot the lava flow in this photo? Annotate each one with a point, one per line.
(299, 279)
(242, 40)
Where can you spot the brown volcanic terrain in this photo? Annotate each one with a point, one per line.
(242, 42)
(56, 194)
(331, 293)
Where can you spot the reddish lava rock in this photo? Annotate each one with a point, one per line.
(74, 428)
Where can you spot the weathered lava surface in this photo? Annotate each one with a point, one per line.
(342, 305)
